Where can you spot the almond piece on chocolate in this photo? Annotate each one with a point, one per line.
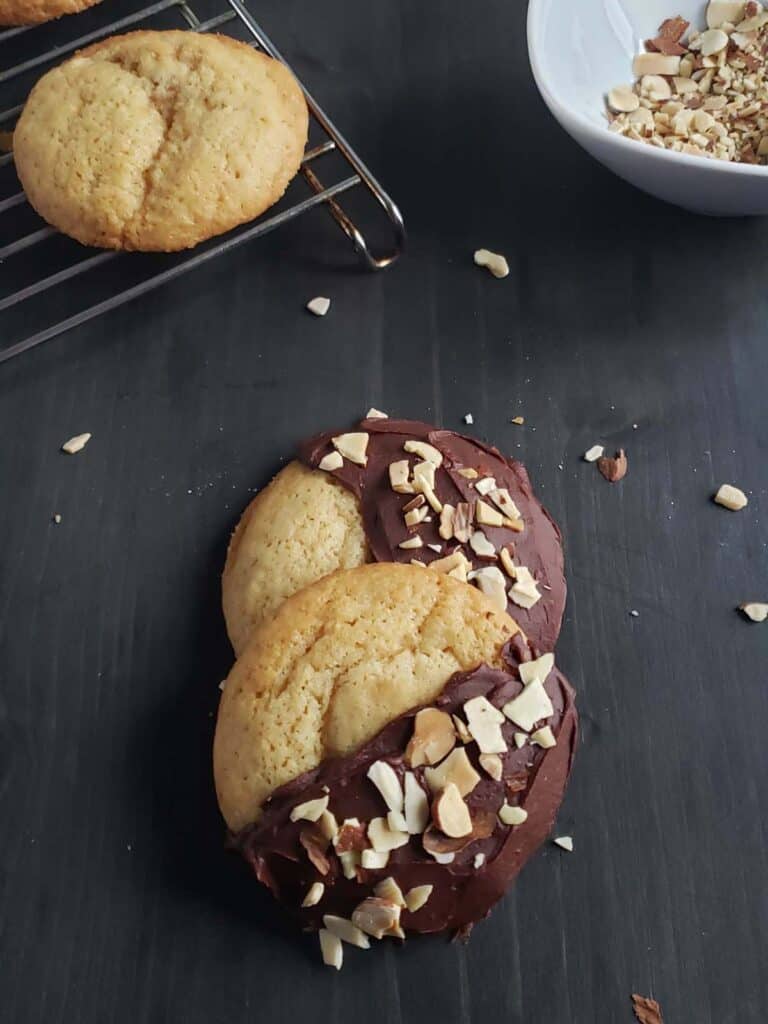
(524, 591)
(382, 838)
(486, 515)
(446, 522)
(328, 826)
(424, 451)
(331, 461)
(544, 737)
(388, 889)
(461, 730)
(330, 948)
(314, 895)
(416, 810)
(350, 861)
(468, 473)
(352, 446)
(384, 777)
(510, 815)
(485, 485)
(456, 768)
(538, 668)
(482, 546)
(456, 564)
(371, 860)
(399, 473)
(346, 931)
(310, 810)
(462, 522)
(433, 737)
(484, 722)
(492, 765)
(451, 814)
(613, 469)
(376, 916)
(530, 706)
(416, 898)
(411, 544)
(424, 475)
(491, 581)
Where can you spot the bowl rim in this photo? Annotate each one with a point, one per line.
(568, 114)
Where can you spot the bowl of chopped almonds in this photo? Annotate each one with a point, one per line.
(671, 95)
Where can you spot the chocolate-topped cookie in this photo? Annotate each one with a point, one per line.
(398, 491)
(389, 753)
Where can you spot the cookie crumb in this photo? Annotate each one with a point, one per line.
(76, 444)
(469, 419)
(564, 842)
(319, 305)
(730, 497)
(755, 610)
(647, 1011)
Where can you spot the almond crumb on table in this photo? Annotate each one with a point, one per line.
(703, 92)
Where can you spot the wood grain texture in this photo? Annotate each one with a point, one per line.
(117, 901)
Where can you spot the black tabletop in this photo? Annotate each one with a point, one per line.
(623, 322)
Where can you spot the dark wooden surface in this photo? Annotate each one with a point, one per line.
(117, 901)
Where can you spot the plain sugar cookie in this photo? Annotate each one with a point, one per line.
(159, 140)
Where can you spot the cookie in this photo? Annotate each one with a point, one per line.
(301, 525)
(33, 12)
(158, 140)
(299, 528)
(424, 753)
(339, 660)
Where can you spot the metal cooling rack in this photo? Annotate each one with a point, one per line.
(84, 262)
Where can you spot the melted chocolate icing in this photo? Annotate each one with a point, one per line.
(532, 777)
(538, 546)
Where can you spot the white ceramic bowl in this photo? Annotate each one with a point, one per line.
(579, 49)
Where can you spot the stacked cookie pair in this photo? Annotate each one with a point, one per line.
(394, 739)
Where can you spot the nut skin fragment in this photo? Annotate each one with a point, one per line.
(494, 262)
(613, 469)
(646, 1011)
(76, 444)
(450, 814)
(755, 610)
(433, 738)
(730, 497)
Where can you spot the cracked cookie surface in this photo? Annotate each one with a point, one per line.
(156, 141)
(338, 661)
